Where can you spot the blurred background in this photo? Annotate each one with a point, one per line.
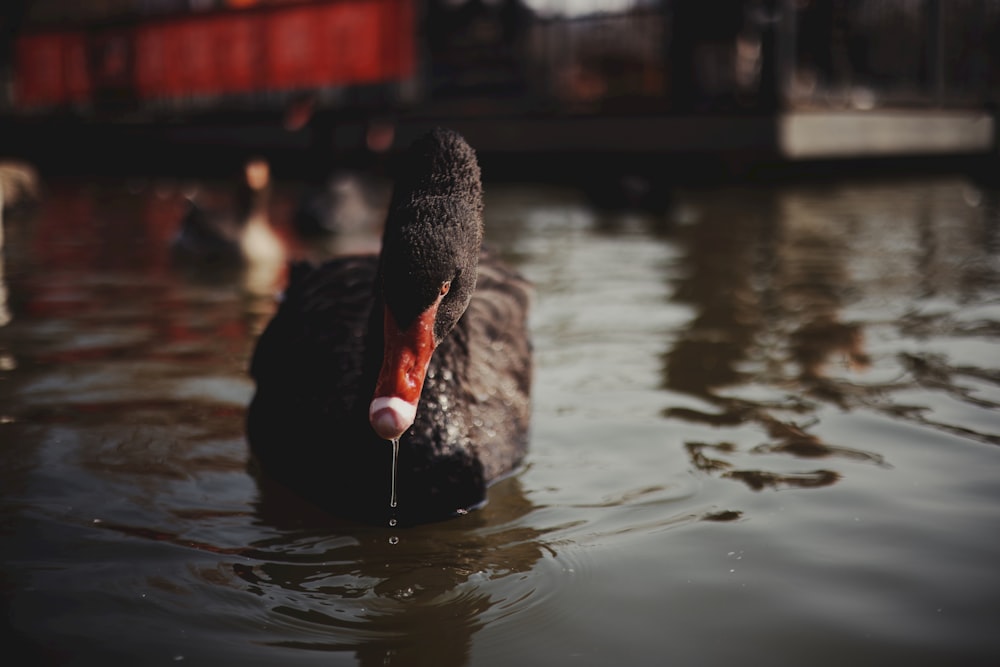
(151, 83)
(765, 415)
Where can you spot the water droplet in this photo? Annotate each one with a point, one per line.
(395, 461)
(394, 540)
(392, 522)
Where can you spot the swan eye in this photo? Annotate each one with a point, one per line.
(445, 286)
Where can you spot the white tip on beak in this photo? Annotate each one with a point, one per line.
(391, 416)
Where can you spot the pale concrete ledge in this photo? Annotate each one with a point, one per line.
(833, 134)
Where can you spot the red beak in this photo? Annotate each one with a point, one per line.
(404, 366)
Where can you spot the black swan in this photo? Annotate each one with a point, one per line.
(426, 343)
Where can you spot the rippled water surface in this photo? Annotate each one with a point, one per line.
(765, 431)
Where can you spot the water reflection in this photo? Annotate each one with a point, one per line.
(417, 599)
(834, 343)
(114, 357)
(333, 586)
(789, 288)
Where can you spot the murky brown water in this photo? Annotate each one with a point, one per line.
(766, 431)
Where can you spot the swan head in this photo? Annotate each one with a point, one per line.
(428, 268)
